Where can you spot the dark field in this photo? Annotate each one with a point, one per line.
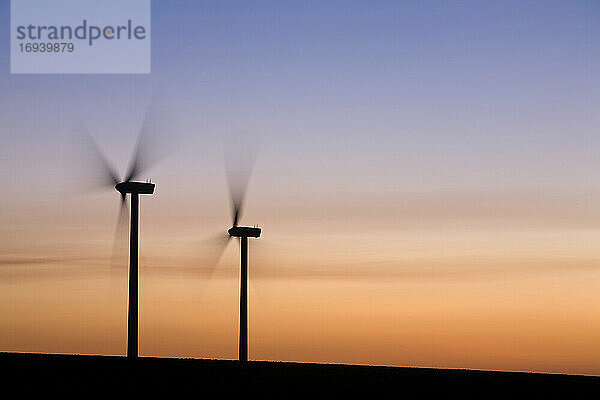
(89, 375)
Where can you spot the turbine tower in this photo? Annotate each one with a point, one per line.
(134, 189)
(243, 232)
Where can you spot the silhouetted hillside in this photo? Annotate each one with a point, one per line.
(89, 375)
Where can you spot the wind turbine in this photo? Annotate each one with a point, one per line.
(142, 158)
(239, 160)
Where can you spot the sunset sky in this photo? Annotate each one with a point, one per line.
(427, 181)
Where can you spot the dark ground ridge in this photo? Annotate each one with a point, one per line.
(63, 372)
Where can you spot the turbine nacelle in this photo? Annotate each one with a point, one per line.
(135, 187)
(244, 231)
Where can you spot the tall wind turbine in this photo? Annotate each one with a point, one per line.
(142, 158)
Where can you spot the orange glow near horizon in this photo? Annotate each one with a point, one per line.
(470, 297)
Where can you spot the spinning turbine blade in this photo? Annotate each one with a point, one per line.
(212, 250)
(216, 247)
(158, 123)
(119, 252)
(90, 156)
(240, 156)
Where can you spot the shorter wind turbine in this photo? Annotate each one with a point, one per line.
(238, 168)
(238, 179)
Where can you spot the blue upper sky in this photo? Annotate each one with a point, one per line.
(464, 91)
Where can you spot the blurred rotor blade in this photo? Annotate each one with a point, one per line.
(89, 159)
(120, 259)
(214, 248)
(201, 267)
(159, 127)
(240, 155)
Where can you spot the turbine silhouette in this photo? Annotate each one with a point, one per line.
(239, 167)
(239, 160)
(143, 158)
